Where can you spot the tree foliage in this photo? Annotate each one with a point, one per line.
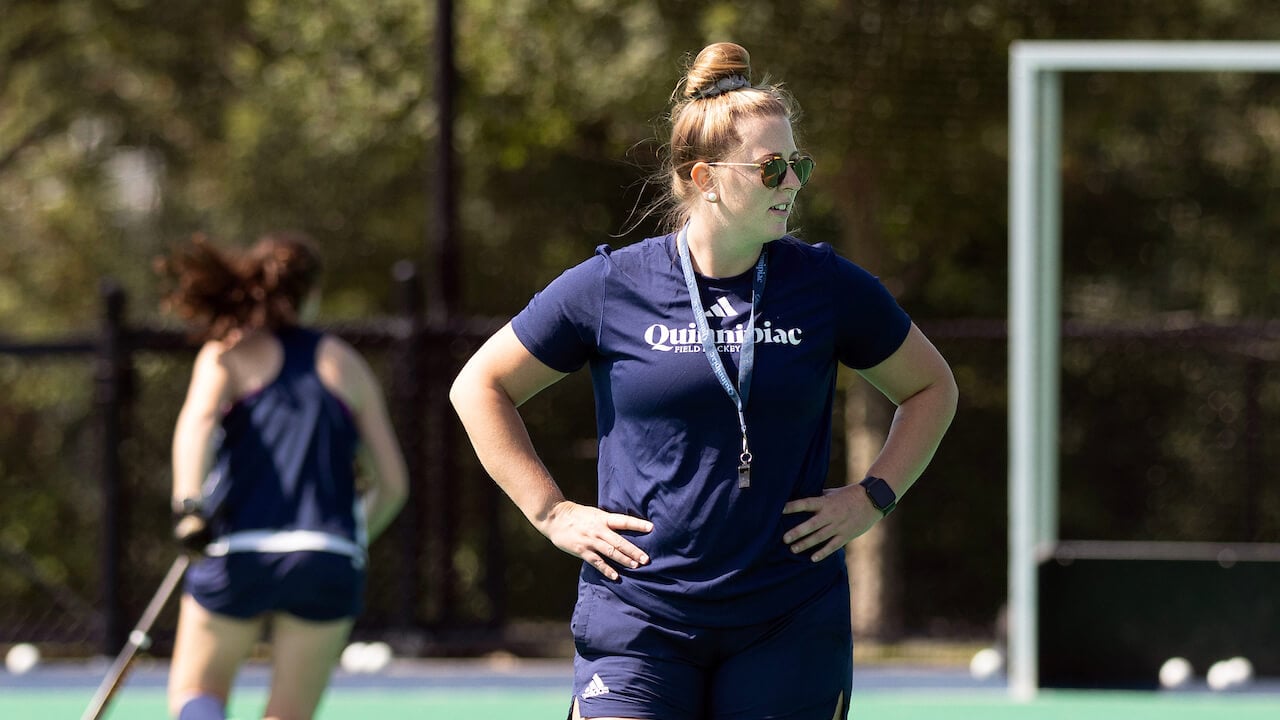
(127, 125)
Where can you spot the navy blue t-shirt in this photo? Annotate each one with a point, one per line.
(668, 432)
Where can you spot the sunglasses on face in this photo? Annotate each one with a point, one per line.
(773, 169)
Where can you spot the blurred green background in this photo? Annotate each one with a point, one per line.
(128, 125)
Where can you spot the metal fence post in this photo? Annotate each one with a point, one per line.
(109, 398)
(443, 500)
(407, 408)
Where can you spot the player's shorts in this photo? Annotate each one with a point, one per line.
(316, 586)
(631, 664)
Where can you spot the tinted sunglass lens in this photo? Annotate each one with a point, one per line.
(772, 171)
(804, 168)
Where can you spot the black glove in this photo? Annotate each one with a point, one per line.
(190, 528)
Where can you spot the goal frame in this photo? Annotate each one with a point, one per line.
(1035, 282)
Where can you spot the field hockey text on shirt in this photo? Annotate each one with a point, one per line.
(687, 339)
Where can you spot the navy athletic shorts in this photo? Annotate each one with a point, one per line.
(631, 664)
(316, 586)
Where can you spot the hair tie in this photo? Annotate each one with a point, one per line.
(724, 85)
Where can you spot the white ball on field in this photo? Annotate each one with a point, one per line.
(1174, 673)
(1222, 676)
(986, 663)
(22, 658)
(1241, 670)
(352, 659)
(377, 656)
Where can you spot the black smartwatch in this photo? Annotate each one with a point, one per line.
(881, 495)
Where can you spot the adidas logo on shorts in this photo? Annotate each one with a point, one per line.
(595, 687)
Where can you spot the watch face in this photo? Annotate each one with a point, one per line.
(883, 499)
(882, 496)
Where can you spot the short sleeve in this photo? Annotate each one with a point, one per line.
(870, 325)
(560, 325)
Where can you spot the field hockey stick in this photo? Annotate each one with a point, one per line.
(139, 639)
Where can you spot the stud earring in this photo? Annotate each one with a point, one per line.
(711, 197)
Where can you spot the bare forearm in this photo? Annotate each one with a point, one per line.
(502, 444)
(915, 434)
(387, 494)
(380, 508)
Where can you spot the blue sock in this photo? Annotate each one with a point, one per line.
(202, 707)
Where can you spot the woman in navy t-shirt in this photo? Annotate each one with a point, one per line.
(713, 583)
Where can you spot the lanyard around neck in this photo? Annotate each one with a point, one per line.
(746, 360)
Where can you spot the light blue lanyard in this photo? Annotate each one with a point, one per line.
(747, 358)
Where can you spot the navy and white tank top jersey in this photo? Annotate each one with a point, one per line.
(284, 473)
(669, 436)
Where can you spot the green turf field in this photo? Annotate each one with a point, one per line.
(491, 704)
(507, 689)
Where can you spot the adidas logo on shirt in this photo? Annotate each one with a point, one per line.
(722, 308)
(595, 687)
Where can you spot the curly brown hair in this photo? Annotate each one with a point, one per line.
(225, 294)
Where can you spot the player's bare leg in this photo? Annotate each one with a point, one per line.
(207, 652)
(303, 656)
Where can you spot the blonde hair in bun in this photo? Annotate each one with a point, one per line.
(715, 95)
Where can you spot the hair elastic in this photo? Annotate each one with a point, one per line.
(724, 85)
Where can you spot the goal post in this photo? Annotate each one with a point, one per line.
(1034, 315)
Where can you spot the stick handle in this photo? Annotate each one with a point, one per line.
(138, 639)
